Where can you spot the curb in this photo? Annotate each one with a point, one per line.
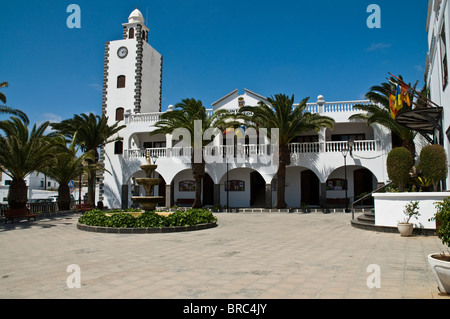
(153, 230)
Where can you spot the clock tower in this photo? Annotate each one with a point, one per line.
(132, 72)
(132, 83)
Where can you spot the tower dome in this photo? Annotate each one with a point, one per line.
(136, 17)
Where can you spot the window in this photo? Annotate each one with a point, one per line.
(118, 147)
(121, 81)
(444, 58)
(119, 114)
(131, 33)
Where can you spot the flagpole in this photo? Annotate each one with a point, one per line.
(415, 93)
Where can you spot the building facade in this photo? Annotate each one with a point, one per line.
(437, 63)
(319, 175)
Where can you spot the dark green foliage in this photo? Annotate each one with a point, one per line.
(399, 164)
(433, 162)
(443, 218)
(120, 219)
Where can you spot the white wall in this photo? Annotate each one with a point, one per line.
(389, 208)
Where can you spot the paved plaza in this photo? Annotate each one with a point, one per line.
(249, 255)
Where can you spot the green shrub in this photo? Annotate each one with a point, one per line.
(120, 219)
(443, 218)
(433, 162)
(399, 164)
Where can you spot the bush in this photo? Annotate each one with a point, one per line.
(443, 220)
(120, 219)
(399, 164)
(433, 162)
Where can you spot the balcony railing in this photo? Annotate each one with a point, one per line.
(328, 107)
(255, 149)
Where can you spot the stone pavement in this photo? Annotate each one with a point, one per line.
(249, 255)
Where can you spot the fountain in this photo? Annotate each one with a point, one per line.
(148, 202)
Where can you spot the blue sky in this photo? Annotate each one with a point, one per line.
(210, 48)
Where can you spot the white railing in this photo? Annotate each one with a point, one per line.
(329, 107)
(143, 117)
(359, 146)
(296, 148)
(254, 149)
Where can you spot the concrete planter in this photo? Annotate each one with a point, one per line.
(441, 271)
(389, 208)
(405, 229)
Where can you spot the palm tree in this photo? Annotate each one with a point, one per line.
(379, 113)
(90, 132)
(66, 166)
(21, 153)
(291, 120)
(183, 116)
(8, 110)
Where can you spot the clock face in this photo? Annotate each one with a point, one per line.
(122, 52)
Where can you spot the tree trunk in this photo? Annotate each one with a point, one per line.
(198, 171)
(92, 181)
(284, 160)
(18, 194)
(64, 196)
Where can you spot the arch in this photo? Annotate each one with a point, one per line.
(119, 114)
(131, 33)
(121, 79)
(243, 187)
(336, 186)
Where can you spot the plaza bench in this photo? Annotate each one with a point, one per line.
(83, 207)
(185, 201)
(11, 214)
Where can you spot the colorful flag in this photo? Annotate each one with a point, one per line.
(394, 112)
(405, 95)
(398, 98)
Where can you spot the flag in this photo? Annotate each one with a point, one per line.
(398, 98)
(405, 95)
(394, 112)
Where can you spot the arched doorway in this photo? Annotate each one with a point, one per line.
(363, 181)
(310, 188)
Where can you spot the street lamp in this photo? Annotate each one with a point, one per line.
(345, 150)
(79, 185)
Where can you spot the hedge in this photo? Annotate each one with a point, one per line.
(120, 219)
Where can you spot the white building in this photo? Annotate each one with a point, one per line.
(316, 176)
(437, 63)
(39, 186)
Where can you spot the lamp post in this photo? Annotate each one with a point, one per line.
(79, 185)
(345, 150)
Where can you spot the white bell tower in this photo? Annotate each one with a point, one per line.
(132, 72)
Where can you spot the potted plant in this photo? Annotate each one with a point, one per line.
(440, 262)
(405, 228)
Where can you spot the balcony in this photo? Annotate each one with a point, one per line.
(340, 110)
(255, 149)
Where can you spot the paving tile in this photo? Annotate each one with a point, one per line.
(249, 256)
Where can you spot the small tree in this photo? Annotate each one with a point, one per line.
(433, 162)
(399, 164)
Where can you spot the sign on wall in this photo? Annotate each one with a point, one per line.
(235, 186)
(186, 186)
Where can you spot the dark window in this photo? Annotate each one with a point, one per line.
(444, 58)
(121, 81)
(118, 147)
(131, 33)
(119, 114)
